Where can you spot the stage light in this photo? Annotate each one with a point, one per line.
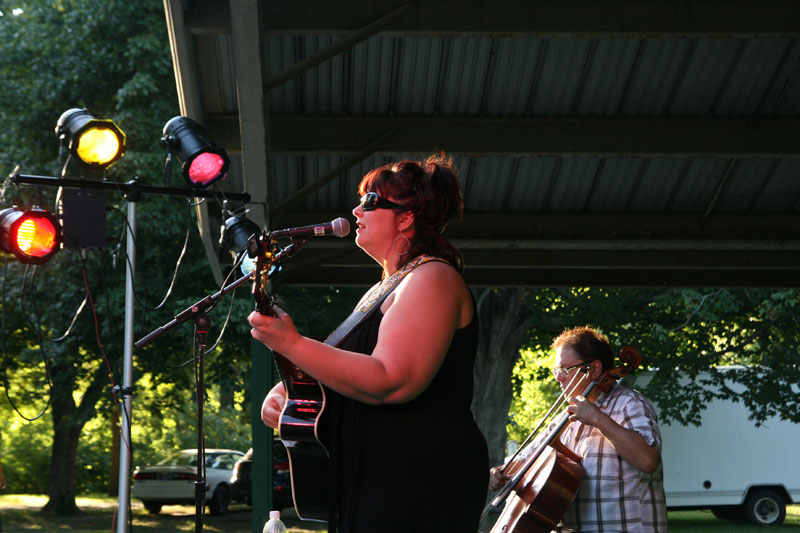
(235, 235)
(33, 235)
(203, 163)
(94, 142)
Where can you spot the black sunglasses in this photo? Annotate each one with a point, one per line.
(371, 201)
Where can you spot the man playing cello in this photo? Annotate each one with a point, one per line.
(617, 438)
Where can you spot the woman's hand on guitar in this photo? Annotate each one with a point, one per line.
(277, 331)
(497, 478)
(273, 405)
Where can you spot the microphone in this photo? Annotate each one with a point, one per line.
(339, 228)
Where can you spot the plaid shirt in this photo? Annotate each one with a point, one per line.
(614, 495)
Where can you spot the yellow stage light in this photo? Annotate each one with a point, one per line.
(94, 142)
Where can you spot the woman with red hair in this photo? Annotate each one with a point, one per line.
(405, 452)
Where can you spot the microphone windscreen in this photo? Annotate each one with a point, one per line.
(340, 227)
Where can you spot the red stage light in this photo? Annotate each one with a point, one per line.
(33, 236)
(202, 161)
(205, 168)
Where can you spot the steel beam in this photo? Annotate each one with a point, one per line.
(543, 137)
(522, 18)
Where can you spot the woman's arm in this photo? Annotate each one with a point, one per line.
(414, 336)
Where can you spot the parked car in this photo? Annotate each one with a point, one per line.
(172, 481)
(281, 479)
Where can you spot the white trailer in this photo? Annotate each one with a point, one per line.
(729, 465)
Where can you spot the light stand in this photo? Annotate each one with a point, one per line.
(125, 451)
(132, 191)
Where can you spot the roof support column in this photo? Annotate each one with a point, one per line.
(254, 132)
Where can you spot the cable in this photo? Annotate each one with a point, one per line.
(224, 324)
(180, 259)
(37, 314)
(5, 360)
(230, 306)
(100, 344)
(6, 183)
(171, 287)
(66, 162)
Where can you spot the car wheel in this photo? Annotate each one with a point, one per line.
(219, 501)
(153, 507)
(765, 507)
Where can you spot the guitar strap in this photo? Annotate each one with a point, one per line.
(373, 299)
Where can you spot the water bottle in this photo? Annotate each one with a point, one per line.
(274, 524)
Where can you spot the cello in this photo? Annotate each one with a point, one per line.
(545, 482)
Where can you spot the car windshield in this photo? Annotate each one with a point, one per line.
(180, 459)
(224, 461)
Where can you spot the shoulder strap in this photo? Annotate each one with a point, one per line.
(373, 299)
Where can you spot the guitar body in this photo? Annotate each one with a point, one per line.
(303, 431)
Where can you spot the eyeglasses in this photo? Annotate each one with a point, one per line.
(564, 372)
(372, 201)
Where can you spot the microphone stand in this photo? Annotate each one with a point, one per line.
(202, 323)
(200, 306)
(198, 313)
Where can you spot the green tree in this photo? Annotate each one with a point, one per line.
(113, 58)
(681, 333)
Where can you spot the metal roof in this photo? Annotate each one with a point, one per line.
(600, 142)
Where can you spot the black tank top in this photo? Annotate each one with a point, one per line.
(416, 466)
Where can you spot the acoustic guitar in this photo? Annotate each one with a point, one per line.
(301, 426)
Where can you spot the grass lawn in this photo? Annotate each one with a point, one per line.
(19, 513)
(688, 521)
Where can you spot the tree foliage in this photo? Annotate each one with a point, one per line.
(113, 58)
(685, 335)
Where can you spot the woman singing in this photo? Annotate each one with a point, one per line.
(406, 454)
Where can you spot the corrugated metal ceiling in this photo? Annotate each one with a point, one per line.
(725, 104)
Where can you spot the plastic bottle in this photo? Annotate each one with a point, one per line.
(274, 524)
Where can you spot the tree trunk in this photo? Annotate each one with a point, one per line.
(505, 317)
(68, 422)
(63, 457)
(113, 484)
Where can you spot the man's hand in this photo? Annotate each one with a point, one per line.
(582, 410)
(497, 479)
